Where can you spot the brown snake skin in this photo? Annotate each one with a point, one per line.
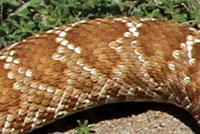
(89, 63)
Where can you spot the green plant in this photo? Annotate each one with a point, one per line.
(185, 11)
(20, 19)
(84, 128)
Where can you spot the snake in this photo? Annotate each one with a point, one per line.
(75, 67)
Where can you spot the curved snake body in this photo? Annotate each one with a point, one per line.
(88, 63)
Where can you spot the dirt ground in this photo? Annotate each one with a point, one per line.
(129, 118)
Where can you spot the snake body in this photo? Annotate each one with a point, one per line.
(89, 63)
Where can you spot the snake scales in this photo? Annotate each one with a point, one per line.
(89, 63)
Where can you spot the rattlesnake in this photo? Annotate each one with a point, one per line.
(89, 63)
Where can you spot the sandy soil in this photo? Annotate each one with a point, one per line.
(129, 118)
